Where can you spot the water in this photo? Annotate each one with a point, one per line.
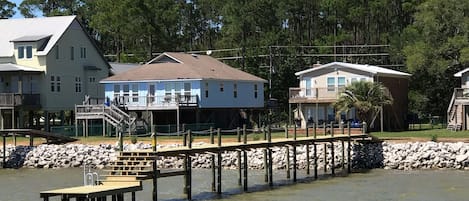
(431, 185)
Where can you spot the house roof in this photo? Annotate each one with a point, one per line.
(9, 67)
(174, 66)
(32, 29)
(376, 70)
(117, 68)
(459, 74)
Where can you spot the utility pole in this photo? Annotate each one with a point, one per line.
(270, 72)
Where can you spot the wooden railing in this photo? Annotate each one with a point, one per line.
(315, 93)
(157, 101)
(13, 100)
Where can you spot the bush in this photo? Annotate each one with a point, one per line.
(133, 139)
(434, 138)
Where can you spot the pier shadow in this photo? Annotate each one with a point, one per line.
(17, 157)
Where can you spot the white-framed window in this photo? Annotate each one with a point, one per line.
(77, 84)
(340, 82)
(83, 52)
(55, 83)
(187, 90)
(206, 89)
(126, 91)
(134, 92)
(235, 90)
(331, 84)
(25, 52)
(117, 90)
(255, 91)
(72, 53)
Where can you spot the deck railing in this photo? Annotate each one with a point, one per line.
(157, 101)
(316, 93)
(13, 100)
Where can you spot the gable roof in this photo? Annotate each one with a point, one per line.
(459, 74)
(375, 70)
(174, 66)
(32, 29)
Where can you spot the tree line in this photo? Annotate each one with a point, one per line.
(427, 38)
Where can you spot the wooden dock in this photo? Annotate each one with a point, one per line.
(142, 165)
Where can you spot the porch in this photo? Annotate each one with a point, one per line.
(167, 102)
(314, 95)
(10, 100)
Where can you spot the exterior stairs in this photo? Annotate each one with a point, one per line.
(455, 115)
(109, 113)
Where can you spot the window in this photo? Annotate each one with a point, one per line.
(52, 83)
(206, 89)
(117, 91)
(331, 84)
(308, 86)
(21, 52)
(255, 91)
(126, 92)
(55, 83)
(77, 84)
(29, 52)
(83, 52)
(363, 79)
(235, 90)
(72, 53)
(134, 92)
(187, 91)
(168, 89)
(92, 79)
(341, 82)
(57, 52)
(221, 87)
(354, 80)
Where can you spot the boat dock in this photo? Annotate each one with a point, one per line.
(142, 164)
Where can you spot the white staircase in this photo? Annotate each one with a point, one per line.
(111, 114)
(455, 117)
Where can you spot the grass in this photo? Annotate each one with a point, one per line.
(428, 133)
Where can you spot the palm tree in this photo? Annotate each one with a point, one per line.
(366, 97)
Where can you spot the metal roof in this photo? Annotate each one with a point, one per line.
(9, 67)
(459, 74)
(32, 28)
(32, 38)
(376, 70)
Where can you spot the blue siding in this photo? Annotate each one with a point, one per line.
(225, 99)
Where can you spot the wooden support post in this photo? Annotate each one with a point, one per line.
(189, 168)
(342, 161)
(332, 129)
(133, 196)
(14, 139)
(325, 127)
(64, 198)
(31, 141)
(315, 149)
(271, 178)
(332, 159)
(245, 180)
(155, 170)
(266, 169)
(212, 141)
(307, 159)
(120, 197)
(238, 133)
(349, 149)
(245, 135)
(294, 162)
(325, 158)
(113, 198)
(286, 131)
(265, 132)
(46, 198)
(4, 152)
(219, 160)
(287, 156)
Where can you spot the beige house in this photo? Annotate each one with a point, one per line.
(320, 86)
(458, 111)
(46, 64)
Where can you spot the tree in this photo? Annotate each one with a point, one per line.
(366, 97)
(6, 9)
(436, 46)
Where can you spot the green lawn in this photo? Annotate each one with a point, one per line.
(428, 133)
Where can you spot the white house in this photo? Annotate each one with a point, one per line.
(46, 64)
(196, 88)
(320, 86)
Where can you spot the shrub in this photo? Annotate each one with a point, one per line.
(133, 139)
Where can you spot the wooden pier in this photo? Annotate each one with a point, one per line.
(142, 164)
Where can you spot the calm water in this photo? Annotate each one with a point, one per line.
(435, 185)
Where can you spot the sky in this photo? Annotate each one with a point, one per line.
(17, 14)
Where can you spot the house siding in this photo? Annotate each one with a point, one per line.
(225, 99)
(69, 69)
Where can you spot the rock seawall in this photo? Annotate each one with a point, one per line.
(403, 156)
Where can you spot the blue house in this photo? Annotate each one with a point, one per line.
(177, 88)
